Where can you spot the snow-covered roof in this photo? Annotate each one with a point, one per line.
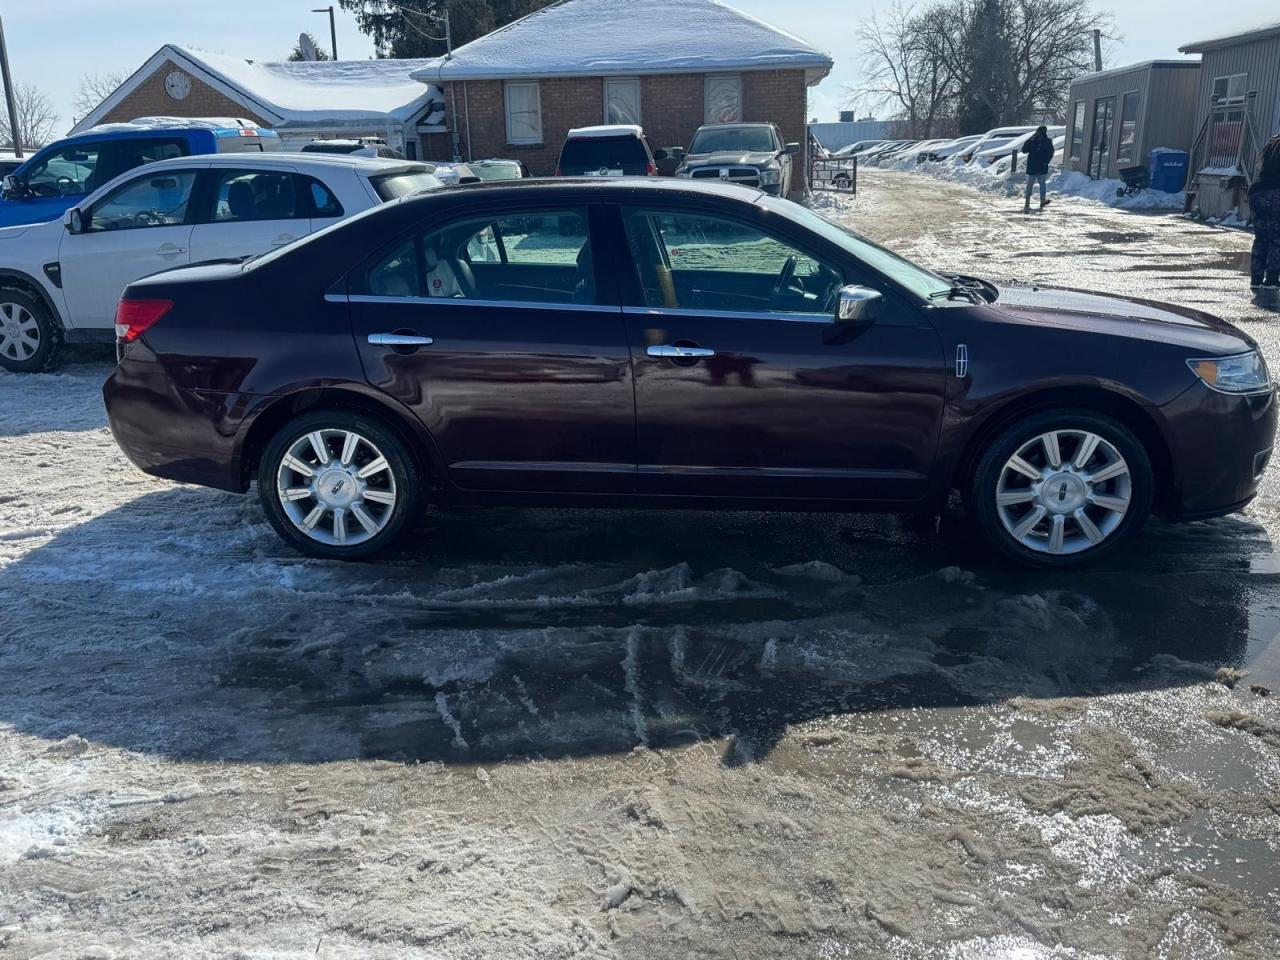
(574, 38)
(304, 94)
(1257, 31)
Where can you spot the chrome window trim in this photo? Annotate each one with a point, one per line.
(730, 314)
(462, 302)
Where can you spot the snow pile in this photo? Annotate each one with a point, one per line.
(996, 178)
(656, 37)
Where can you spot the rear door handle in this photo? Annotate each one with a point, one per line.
(673, 352)
(398, 340)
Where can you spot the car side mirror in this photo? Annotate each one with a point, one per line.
(73, 220)
(12, 186)
(791, 148)
(660, 154)
(858, 305)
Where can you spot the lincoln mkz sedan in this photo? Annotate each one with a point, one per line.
(673, 344)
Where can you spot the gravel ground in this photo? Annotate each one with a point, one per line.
(547, 734)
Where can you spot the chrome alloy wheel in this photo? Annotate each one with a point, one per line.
(19, 332)
(1063, 492)
(336, 487)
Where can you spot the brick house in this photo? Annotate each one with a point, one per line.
(301, 101)
(669, 65)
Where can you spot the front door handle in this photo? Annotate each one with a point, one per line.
(676, 352)
(170, 250)
(398, 340)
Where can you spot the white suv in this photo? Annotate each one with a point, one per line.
(60, 281)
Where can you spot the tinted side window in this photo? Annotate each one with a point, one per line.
(536, 257)
(147, 201)
(323, 202)
(248, 195)
(700, 262)
(69, 172)
(603, 152)
(131, 154)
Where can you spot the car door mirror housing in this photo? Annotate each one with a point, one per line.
(660, 154)
(791, 149)
(73, 220)
(12, 187)
(858, 305)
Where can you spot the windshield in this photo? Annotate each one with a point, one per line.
(918, 280)
(393, 186)
(734, 140)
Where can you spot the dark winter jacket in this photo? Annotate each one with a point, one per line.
(1039, 150)
(1268, 177)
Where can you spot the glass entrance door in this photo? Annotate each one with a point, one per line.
(1104, 111)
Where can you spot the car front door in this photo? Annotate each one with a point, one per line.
(494, 330)
(55, 180)
(141, 227)
(747, 387)
(250, 211)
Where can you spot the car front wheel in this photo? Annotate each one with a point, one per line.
(1062, 489)
(338, 485)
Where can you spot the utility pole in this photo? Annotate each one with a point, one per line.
(8, 95)
(1097, 51)
(333, 30)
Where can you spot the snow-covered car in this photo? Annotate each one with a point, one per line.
(496, 169)
(992, 139)
(749, 154)
(60, 280)
(607, 150)
(1002, 148)
(923, 151)
(952, 147)
(861, 146)
(1004, 163)
(358, 147)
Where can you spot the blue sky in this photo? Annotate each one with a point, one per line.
(53, 44)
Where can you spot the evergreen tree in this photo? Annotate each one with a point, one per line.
(415, 28)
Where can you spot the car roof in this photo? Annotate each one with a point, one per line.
(604, 188)
(761, 123)
(607, 130)
(370, 166)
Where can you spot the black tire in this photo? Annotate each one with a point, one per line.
(16, 302)
(406, 483)
(985, 484)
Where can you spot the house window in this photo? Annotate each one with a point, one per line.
(622, 101)
(524, 112)
(1128, 128)
(1077, 130)
(1230, 89)
(724, 99)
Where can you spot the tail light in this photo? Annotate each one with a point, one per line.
(651, 170)
(135, 317)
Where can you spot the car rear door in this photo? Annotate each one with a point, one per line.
(514, 356)
(745, 385)
(141, 227)
(250, 210)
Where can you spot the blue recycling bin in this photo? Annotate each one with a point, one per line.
(1168, 169)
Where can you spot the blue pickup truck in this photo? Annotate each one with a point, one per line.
(59, 175)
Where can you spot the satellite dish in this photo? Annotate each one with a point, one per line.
(308, 47)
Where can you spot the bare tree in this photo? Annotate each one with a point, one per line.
(903, 72)
(93, 89)
(36, 117)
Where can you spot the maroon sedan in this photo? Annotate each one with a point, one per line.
(674, 344)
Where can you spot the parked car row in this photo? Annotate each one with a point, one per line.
(996, 145)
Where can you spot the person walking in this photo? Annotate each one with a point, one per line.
(1264, 204)
(1039, 151)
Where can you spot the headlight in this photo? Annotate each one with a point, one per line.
(1243, 373)
(770, 177)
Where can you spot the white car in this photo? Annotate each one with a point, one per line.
(992, 139)
(952, 147)
(60, 281)
(1000, 148)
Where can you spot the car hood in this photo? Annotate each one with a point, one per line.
(1122, 316)
(729, 158)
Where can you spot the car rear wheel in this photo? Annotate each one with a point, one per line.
(338, 485)
(1062, 489)
(29, 336)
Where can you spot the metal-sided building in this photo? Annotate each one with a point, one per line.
(1237, 112)
(1117, 117)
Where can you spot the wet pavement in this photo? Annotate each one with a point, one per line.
(552, 733)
